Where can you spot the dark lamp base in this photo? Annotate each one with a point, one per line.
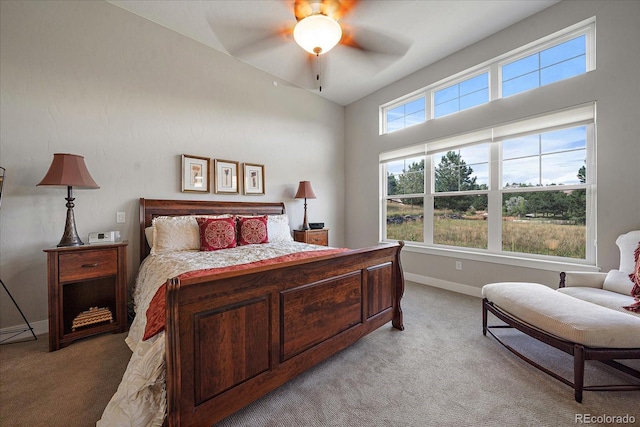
(70, 236)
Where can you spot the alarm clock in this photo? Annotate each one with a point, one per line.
(104, 237)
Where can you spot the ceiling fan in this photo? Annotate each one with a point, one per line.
(318, 30)
(317, 27)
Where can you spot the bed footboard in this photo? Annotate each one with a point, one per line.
(234, 337)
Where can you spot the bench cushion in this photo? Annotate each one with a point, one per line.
(612, 300)
(564, 316)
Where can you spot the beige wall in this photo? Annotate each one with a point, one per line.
(614, 85)
(92, 79)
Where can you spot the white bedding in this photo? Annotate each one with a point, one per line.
(141, 396)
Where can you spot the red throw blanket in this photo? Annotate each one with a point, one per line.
(156, 310)
(635, 278)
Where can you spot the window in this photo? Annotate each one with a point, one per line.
(460, 96)
(522, 188)
(550, 65)
(405, 115)
(559, 56)
(405, 179)
(546, 220)
(461, 178)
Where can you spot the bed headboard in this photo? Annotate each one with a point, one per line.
(151, 208)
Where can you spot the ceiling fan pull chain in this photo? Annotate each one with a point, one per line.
(318, 70)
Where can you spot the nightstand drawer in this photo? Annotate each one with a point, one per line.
(318, 239)
(89, 264)
(314, 237)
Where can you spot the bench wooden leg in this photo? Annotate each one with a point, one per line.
(484, 316)
(578, 371)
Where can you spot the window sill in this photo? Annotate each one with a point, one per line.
(502, 259)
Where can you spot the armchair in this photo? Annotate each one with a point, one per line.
(612, 289)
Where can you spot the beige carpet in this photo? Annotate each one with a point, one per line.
(440, 371)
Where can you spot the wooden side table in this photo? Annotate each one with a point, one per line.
(314, 237)
(87, 291)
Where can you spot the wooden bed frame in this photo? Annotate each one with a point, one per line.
(233, 337)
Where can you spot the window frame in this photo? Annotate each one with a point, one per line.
(493, 67)
(583, 115)
(587, 29)
(399, 103)
(454, 81)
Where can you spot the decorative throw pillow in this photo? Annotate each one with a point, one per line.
(148, 233)
(174, 233)
(252, 230)
(177, 233)
(278, 228)
(217, 233)
(635, 278)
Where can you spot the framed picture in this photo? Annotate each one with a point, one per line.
(226, 176)
(195, 174)
(253, 179)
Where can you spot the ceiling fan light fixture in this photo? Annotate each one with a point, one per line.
(317, 33)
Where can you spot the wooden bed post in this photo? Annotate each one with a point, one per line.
(172, 358)
(398, 321)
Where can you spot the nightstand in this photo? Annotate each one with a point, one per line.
(314, 237)
(87, 291)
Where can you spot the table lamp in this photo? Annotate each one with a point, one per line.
(69, 170)
(305, 192)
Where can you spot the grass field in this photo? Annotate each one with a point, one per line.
(533, 237)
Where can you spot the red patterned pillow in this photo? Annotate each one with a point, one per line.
(252, 230)
(635, 278)
(217, 233)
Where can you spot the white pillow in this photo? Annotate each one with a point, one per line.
(148, 233)
(177, 233)
(618, 281)
(278, 228)
(628, 243)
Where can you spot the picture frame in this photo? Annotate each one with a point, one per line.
(226, 177)
(195, 174)
(253, 179)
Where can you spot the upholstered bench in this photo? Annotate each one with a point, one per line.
(585, 330)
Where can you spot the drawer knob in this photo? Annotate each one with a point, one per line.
(90, 265)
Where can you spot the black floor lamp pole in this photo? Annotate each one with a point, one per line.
(16, 331)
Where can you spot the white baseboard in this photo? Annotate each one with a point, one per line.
(39, 328)
(444, 284)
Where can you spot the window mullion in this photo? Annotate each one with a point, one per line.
(494, 200)
(428, 199)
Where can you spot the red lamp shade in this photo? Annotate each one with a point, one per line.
(305, 191)
(69, 170)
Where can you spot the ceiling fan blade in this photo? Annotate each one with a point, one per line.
(372, 42)
(244, 32)
(244, 40)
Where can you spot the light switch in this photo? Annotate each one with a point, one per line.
(120, 218)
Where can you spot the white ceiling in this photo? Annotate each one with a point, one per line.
(396, 37)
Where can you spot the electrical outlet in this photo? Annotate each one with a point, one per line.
(120, 218)
(458, 265)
